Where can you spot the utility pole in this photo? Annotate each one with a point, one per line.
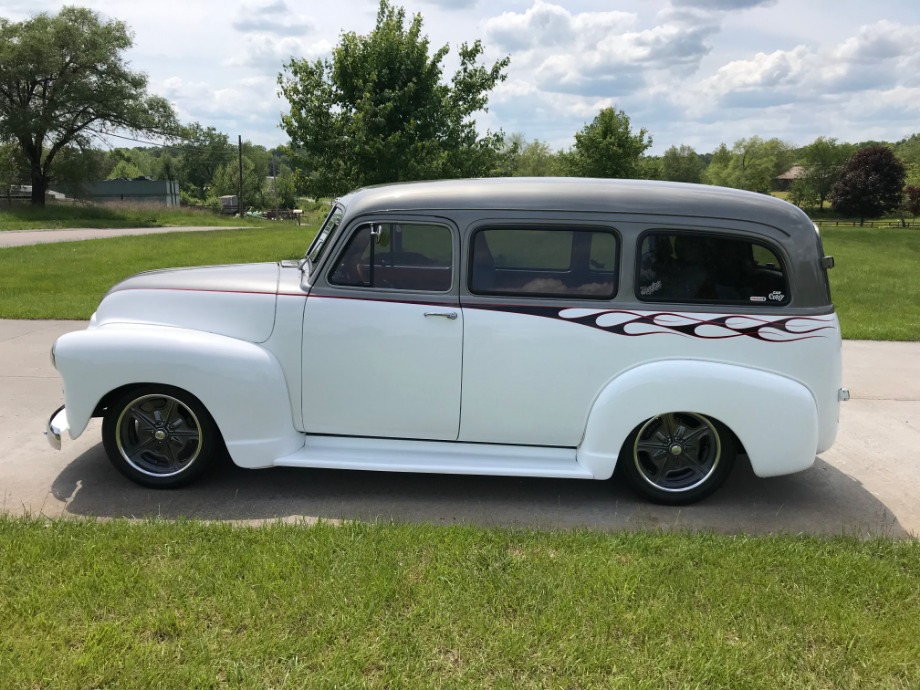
(240, 199)
(274, 187)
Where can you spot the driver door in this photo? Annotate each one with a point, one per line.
(383, 335)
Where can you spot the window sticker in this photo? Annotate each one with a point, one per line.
(776, 296)
(650, 289)
(757, 298)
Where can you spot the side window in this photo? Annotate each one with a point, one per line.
(397, 256)
(684, 267)
(544, 262)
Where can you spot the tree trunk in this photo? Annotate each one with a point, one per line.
(39, 187)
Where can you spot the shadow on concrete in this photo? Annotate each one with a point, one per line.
(820, 501)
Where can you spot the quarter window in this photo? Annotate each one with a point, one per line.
(684, 267)
(397, 256)
(544, 262)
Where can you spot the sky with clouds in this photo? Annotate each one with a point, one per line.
(696, 72)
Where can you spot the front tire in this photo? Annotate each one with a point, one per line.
(159, 436)
(677, 458)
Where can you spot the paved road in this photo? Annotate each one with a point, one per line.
(868, 484)
(19, 238)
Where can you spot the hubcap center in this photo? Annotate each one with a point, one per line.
(160, 435)
(676, 449)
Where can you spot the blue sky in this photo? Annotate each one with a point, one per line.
(697, 72)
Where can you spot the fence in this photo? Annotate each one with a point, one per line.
(870, 223)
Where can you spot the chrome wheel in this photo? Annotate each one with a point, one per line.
(678, 457)
(159, 436)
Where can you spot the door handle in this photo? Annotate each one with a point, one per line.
(446, 314)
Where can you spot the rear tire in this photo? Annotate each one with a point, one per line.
(159, 436)
(677, 458)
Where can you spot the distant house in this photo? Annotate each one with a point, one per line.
(783, 183)
(140, 189)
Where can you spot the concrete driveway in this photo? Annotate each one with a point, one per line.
(19, 238)
(867, 485)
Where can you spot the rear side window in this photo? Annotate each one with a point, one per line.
(544, 262)
(685, 267)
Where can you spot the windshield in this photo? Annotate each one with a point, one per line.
(331, 224)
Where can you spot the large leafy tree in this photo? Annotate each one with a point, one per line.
(750, 164)
(62, 77)
(607, 147)
(204, 150)
(717, 172)
(822, 161)
(379, 110)
(681, 165)
(870, 185)
(530, 158)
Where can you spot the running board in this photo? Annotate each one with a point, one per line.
(434, 457)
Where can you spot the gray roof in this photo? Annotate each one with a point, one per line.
(578, 194)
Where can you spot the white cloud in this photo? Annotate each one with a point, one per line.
(271, 16)
(547, 26)
(267, 52)
(874, 60)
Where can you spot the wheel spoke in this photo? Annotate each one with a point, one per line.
(169, 411)
(143, 445)
(138, 414)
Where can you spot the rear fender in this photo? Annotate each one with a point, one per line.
(774, 417)
(240, 383)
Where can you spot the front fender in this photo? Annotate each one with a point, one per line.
(240, 383)
(774, 417)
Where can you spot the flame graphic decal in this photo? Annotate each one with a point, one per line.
(632, 323)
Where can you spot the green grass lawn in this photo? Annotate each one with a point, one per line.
(192, 605)
(127, 215)
(876, 282)
(67, 280)
(875, 285)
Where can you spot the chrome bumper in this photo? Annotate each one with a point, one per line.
(57, 425)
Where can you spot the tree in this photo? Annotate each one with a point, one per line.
(204, 150)
(750, 164)
(871, 184)
(822, 161)
(62, 77)
(908, 150)
(681, 165)
(531, 158)
(75, 168)
(755, 162)
(912, 200)
(607, 147)
(716, 172)
(10, 167)
(380, 112)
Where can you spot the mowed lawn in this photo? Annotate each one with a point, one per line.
(193, 605)
(875, 285)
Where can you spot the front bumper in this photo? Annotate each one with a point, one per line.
(57, 425)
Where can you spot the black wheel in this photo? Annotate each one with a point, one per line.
(159, 436)
(677, 458)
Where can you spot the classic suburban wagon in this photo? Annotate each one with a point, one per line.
(529, 327)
